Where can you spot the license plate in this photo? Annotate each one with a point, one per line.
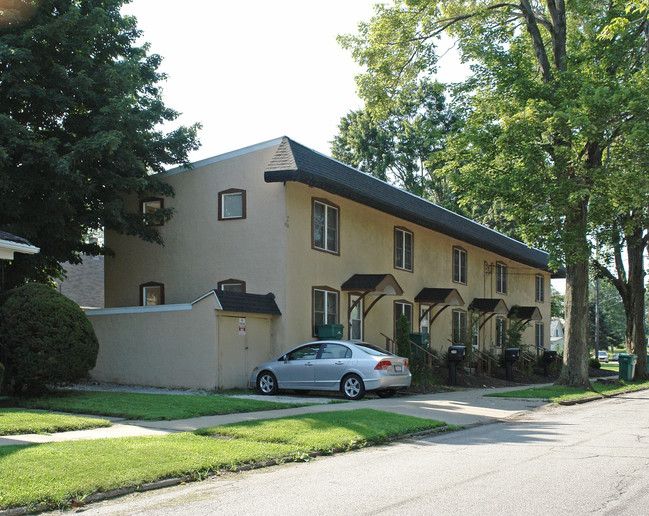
(398, 368)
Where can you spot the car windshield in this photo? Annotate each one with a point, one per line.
(371, 349)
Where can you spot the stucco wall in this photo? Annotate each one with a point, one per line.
(172, 348)
(367, 247)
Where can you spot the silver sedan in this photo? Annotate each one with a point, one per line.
(329, 365)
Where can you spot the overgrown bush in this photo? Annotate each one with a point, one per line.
(49, 340)
(594, 363)
(404, 349)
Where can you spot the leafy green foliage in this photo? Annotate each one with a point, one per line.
(404, 349)
(79, 130)
(49, 339)
(594, 363)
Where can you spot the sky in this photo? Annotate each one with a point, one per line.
(255, 70)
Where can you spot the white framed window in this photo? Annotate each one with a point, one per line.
(152, 294)
(325, 226)
(475, 334)
(539, 290)
(325, 307)
(459, 265)
(232, 204)
(403, 249)
(232, 285)
(539, 335)
(424, 320)
(501, 331)
(148, 207)
(356, 318)
(402, 308)
(501, 278)
(459, 327)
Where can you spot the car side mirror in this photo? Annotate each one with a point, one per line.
(285, 358)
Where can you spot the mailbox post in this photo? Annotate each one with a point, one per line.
(511, 356)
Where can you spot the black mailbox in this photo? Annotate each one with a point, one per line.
(512, 354)
(549, 356)
(456, 353)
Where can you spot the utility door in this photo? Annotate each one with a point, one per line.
(244, 342)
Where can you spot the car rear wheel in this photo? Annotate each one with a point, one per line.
(386, 393)
(352, 387)
(267, 383)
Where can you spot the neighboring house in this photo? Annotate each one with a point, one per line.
(9, 245)
(332, 244)
(84, 282)
(556, 334)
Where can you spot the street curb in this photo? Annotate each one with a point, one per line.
(598, 397)
(170, 482)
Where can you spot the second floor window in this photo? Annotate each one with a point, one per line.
(403, 249)
(152, 294)
(149, 207)
(539, 294)
(459, 265)
(325, 227)
(501, 278)
(232, 204)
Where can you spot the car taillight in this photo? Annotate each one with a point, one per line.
(383, 364)
(406, 363)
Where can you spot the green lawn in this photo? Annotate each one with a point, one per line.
(151, 407)
(17, 421)
(614, 367)
(54, 473)
(559, 394)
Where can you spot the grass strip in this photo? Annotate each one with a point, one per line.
(55, 473)
(561, 394)
(149, 407)
(325, 431)
(17, 421)
(610, 366)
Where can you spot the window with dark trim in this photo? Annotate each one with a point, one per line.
(356, 318)
(324, 228)
(539, 290)
(152, 294)
(148, 208)
(325, 307)
(403, 249)
(232, 285)
(539, 335)
(402, 308)
(459, 265)
(501, 278)
(232, 204)
(459, 327)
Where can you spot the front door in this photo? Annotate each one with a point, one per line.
(298, 370)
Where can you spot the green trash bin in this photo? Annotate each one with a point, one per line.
(627, 366)
(330, 331)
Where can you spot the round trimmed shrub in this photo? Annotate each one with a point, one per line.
(49, 340)
(594, 363)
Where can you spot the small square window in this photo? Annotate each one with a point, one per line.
(232, 285)
(152, 294)
(232, 204)
(149, 207)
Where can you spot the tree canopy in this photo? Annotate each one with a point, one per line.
(554, 87)
(80, 128)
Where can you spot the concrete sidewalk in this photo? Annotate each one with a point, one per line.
(468, 407)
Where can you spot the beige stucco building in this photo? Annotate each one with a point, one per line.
(332, 244)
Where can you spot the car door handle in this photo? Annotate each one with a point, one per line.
(339, 363)
(308, 364)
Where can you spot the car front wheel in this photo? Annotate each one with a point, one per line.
(267, 383)
(352, 387)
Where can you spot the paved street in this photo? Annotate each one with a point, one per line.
(583, 459)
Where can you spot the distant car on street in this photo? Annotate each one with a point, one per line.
(602, 356)
(331, 365)
(616, 357)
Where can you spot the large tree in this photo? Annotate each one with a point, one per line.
(547, 99)
(80, 128)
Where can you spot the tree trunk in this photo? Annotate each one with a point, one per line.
(574, 372)
(638, 340)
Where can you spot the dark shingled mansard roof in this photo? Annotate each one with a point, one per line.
(247, 303)
(13, 238)
(295, 162)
